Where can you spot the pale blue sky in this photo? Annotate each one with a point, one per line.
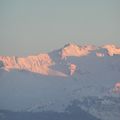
(34, 26)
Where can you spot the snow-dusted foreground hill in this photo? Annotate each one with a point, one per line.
(82, 81)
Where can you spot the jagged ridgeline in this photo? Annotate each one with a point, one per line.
(74, 82)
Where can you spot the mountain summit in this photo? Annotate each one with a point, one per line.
(75, 50)
(66, 80)
(43, 63)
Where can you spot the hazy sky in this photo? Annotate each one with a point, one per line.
(34, 26)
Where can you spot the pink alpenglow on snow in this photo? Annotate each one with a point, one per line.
(100, 54)
(75, 50)
(44, 63)
(38, 64)
(112, 49)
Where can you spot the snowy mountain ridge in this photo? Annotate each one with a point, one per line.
(86, 78)
(41, 63)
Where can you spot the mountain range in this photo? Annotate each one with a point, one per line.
(74, 82)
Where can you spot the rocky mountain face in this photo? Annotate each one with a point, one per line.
(41, 63)
(84, 77)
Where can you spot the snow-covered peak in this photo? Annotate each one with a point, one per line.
(112, 49)
(38, 64)
(45, 63)
(72, 49)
